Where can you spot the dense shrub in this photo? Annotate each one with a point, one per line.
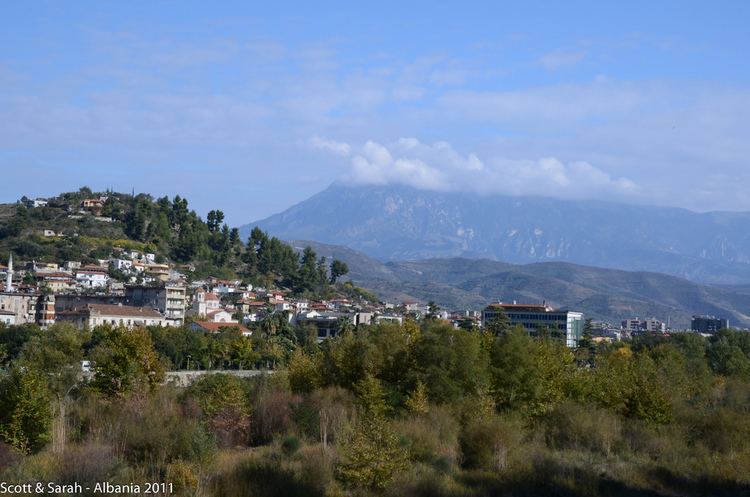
(489, 443)
(573, 426)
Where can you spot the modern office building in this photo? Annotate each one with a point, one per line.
(636, 325)
(563, 324)
(708, 324)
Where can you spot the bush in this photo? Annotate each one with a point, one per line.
(266, 473)
(577, 427)
(432, 438)
(425, 481)
(290, 445)
(272, 414)
(154, 430)
(489, 443)
(722, 430)
(223, 401)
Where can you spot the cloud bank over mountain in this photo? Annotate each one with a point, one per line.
(440, 167)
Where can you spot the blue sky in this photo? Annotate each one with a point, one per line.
(253, 107)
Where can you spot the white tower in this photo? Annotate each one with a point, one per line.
(9, 278)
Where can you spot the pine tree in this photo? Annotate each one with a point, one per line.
(418, 401)
(371, 456)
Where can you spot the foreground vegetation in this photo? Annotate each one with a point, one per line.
(383, 410)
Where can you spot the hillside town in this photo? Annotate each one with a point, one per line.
(133, 289)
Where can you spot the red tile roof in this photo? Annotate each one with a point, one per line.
(216, 327)
(121, 310)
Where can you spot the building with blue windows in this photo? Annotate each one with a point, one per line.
(540, 318)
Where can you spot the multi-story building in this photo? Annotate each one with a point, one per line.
(45, 310)
(326, 324)
(71, 302)
(158, 271)
(168, 299)
(388, 318)
(22, 305)
(93, 315)
(563, 324)
(636, 325)
(121, 264)
(708, 324)
(56, 281)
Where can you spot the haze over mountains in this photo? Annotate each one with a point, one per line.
(393, 223)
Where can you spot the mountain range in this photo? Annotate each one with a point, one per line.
(396, 223)
(603, 294)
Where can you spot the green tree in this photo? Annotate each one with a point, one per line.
(56, 354)
(433, 309)
(338, 269)
(214, 220)
(216, 392)
(514, 373)
(451, 362)
(371, 455)
(418, 401)
(25, 414)
(125, 360)
(498, 324)
(305, 372)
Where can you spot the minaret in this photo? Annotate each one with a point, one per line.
(9, 278)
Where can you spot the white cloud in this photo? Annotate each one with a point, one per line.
(440, 167)
(337, 148)
(559, 103)
(559, 59)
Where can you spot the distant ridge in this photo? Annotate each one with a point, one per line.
(606, 294)
(402, 223)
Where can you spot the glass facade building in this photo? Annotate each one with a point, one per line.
(562, 324)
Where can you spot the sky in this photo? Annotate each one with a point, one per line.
(251, 107)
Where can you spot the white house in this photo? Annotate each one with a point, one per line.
(283, 306)
(121, 264)
(220, 316)
(90, 277)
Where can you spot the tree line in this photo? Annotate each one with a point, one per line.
(411, 409)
